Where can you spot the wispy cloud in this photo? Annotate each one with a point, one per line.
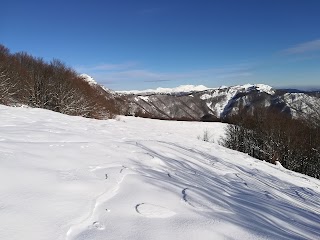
(216, 76)
(235, 75)
(158, 80)
(106, 67)
(302, 48)
(147, 75)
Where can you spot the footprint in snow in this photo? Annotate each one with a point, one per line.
(153, 211)
(97, 225)
(123, 168)
(200, 201)
(184, 195)
(268, 194)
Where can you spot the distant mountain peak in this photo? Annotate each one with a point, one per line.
(198, 88)
(93, 82)
(265, 88)
(218, 103)
(160, 90)
(260, 87)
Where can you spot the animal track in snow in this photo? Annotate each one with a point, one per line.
(268, 194)
(244, 182)
(153, 211)
(198, 200)
(123, 168)
(97, 225)
(2, 205)
(184, 195)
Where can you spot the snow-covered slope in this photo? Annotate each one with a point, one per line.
(227, 97)
(101, 89)
(187, 103)
(222, 102)
(72, 178)
(301, 103)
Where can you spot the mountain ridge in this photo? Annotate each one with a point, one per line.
(220, 103)
(200, 103)
(193, 88)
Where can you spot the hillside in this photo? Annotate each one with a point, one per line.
(201, 103)
(75, 178)
(26, 80)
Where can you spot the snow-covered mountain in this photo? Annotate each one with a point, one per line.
(178, 90)
(219, 103)
(187, 89)
(74, 178)
(189, 102)
(93, 83)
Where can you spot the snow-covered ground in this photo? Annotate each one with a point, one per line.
(72, 178)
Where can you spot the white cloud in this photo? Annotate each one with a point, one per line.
(143, 75)
(131, 75)
(306, 47)
(158, 80)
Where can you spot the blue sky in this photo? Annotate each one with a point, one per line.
(145, 44)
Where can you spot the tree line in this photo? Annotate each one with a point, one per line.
(27, 80)
(271, 136)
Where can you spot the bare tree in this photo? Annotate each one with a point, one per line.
(272, 137)
(8, 80)
(25, 79)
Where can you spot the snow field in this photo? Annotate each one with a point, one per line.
(73, 178)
